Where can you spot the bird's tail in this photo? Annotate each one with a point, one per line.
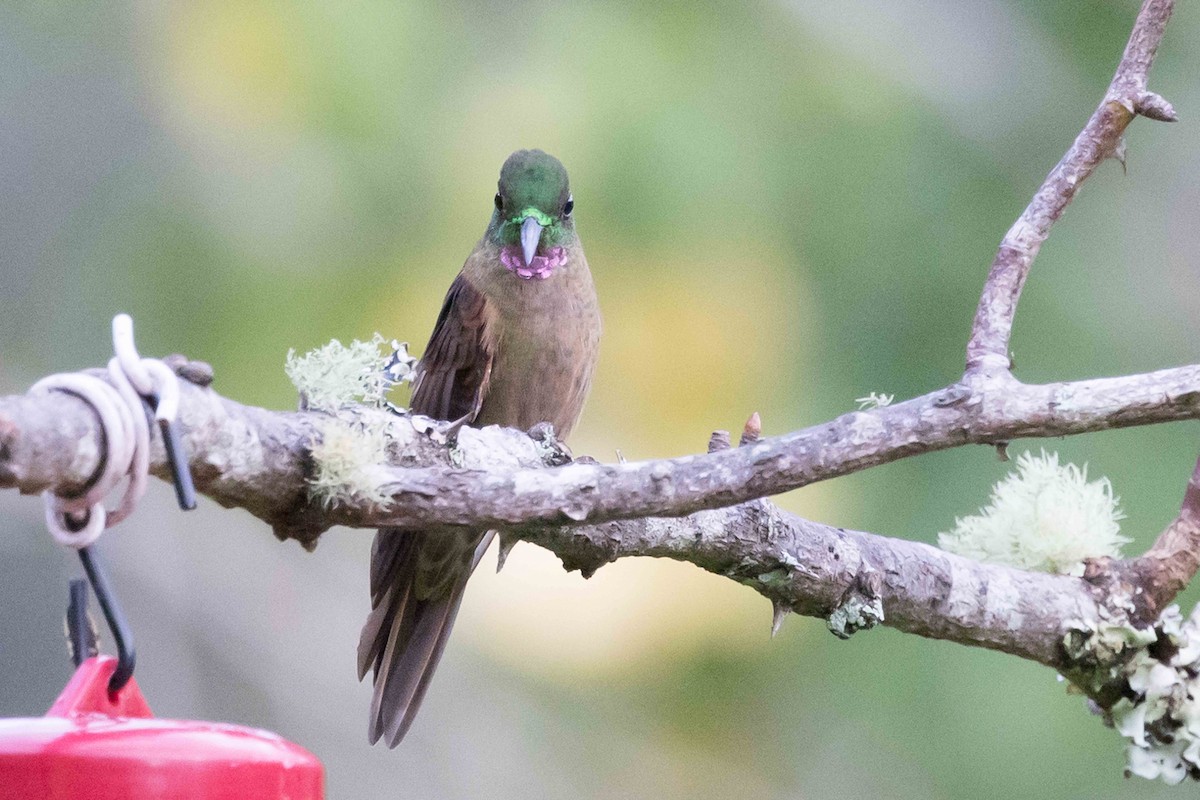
(417, 585)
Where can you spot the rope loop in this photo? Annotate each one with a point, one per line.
(121, 406)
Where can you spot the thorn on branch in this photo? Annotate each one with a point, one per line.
(781, 610)
(1154, 106)
(752, 431)
(718, 441)
(1002, 451)
(507, 543)
(1119, 152)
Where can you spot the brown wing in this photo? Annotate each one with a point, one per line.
(417, 578)
(453, 373)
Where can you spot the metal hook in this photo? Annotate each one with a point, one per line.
(81, 636)
(181, 475)
(122, 635)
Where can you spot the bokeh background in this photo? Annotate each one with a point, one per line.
(787, 205)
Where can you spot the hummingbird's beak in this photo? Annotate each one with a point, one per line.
(531, 235)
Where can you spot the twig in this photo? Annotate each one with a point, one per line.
(1126, 96)
(1169, 566)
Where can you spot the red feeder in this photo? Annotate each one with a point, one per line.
(98, 746)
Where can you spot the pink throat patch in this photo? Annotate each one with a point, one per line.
(539, 269)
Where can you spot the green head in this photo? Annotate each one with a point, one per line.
(533, 205)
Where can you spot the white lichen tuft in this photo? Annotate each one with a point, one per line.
(1044, 516)
(1159, 712)
(874, 400)
(349, 459)
(338, 376)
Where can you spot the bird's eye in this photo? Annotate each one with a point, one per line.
(499, 202)
(569, 207)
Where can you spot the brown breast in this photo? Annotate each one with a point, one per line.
(547, 337)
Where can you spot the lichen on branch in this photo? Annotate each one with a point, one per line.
(1155, 673)
(349, 449)
(1044, 516)
(337, 376)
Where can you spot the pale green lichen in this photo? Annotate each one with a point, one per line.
(349, 457)
(1100, 649)
(1044, 516)
(349, 449)
(874, 400)
(1159, 710)
(856, 613)
(339, 376)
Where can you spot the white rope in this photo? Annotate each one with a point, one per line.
(78, 521)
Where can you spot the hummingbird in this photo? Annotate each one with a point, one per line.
(515, 344)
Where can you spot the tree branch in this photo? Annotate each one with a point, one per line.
(260, 460)
(851, 579)
(1126, 97)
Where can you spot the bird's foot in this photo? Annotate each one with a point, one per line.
(554, 452)
(452, 430)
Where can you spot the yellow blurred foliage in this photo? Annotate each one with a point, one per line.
(536, 618)
(236, 64)
(694, 339)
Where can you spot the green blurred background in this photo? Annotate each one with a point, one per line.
(787, 205)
